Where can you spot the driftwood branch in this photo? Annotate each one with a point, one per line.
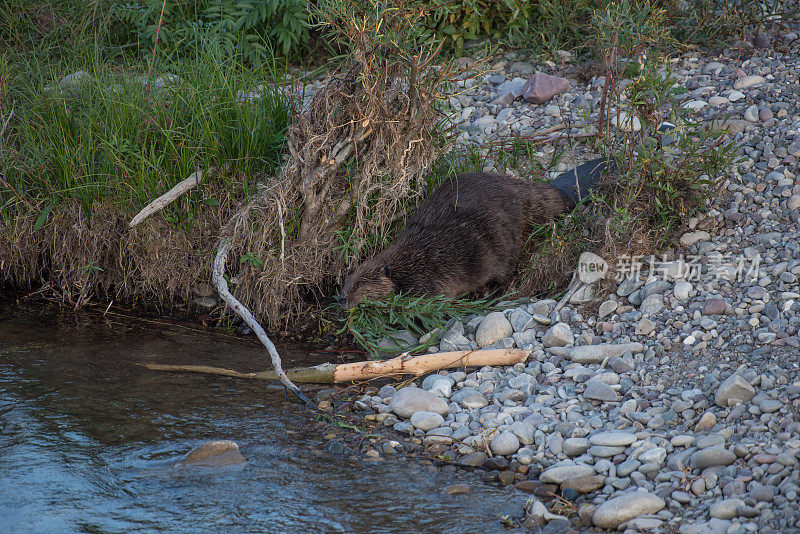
(328, 373)
(218, 276)
(170, 196)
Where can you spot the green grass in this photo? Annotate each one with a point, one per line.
(110, 137)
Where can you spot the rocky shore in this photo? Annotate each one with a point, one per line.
(671, 404)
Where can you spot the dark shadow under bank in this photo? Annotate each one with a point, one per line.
(90, 440)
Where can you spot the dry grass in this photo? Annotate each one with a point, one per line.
(81, 259)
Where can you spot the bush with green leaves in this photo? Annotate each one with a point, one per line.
(462, 20)
(253, 28)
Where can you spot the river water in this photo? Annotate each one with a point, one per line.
(89, 441)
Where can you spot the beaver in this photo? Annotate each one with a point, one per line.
(468, 234)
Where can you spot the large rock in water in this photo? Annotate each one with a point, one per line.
(542, 87)
(410, 400)
(618, 510)
(215, 453)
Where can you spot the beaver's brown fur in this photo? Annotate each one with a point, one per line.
(468, 234)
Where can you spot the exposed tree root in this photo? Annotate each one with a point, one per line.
(222, 288)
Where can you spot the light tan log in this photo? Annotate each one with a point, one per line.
(328, 373)
(419, 365)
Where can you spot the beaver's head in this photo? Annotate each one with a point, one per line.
(372, 280)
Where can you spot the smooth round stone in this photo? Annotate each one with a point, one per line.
(410, 400)
(525, 432)
(682, 440)
(596, 389)
(627, 467)
(618, 510)
(575, 446)
(707, 421)
(585, 484)
(718, 100)
(607, 308)
(714, 306)
(652, 305)
(561, 473)
(770, 405)
(695, 104)
(682, 289)
(762, 493)
(427, 420)
(504, 444)
(492, 329)
(748, 81)
(751, 114)
(726, 509)
(602, 451)
(645, 327)
(734, 388)
(612, 439)
(475, 402)
(558, 335)
(735, 96)
(711, 457)
(681, 496)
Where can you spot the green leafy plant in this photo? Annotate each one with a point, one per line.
(251, 28)
(458, 21)
(372, 321)
(252, 260)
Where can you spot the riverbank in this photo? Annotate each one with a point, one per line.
(684, 413)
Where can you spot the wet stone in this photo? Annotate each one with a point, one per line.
(214, 453)
(496, 463)
(458, 489)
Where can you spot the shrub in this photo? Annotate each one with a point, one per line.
(247, 27)
(462, 20)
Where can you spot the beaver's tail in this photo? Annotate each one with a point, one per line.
(577, 184)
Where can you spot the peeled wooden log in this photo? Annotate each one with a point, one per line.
(329, 373)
